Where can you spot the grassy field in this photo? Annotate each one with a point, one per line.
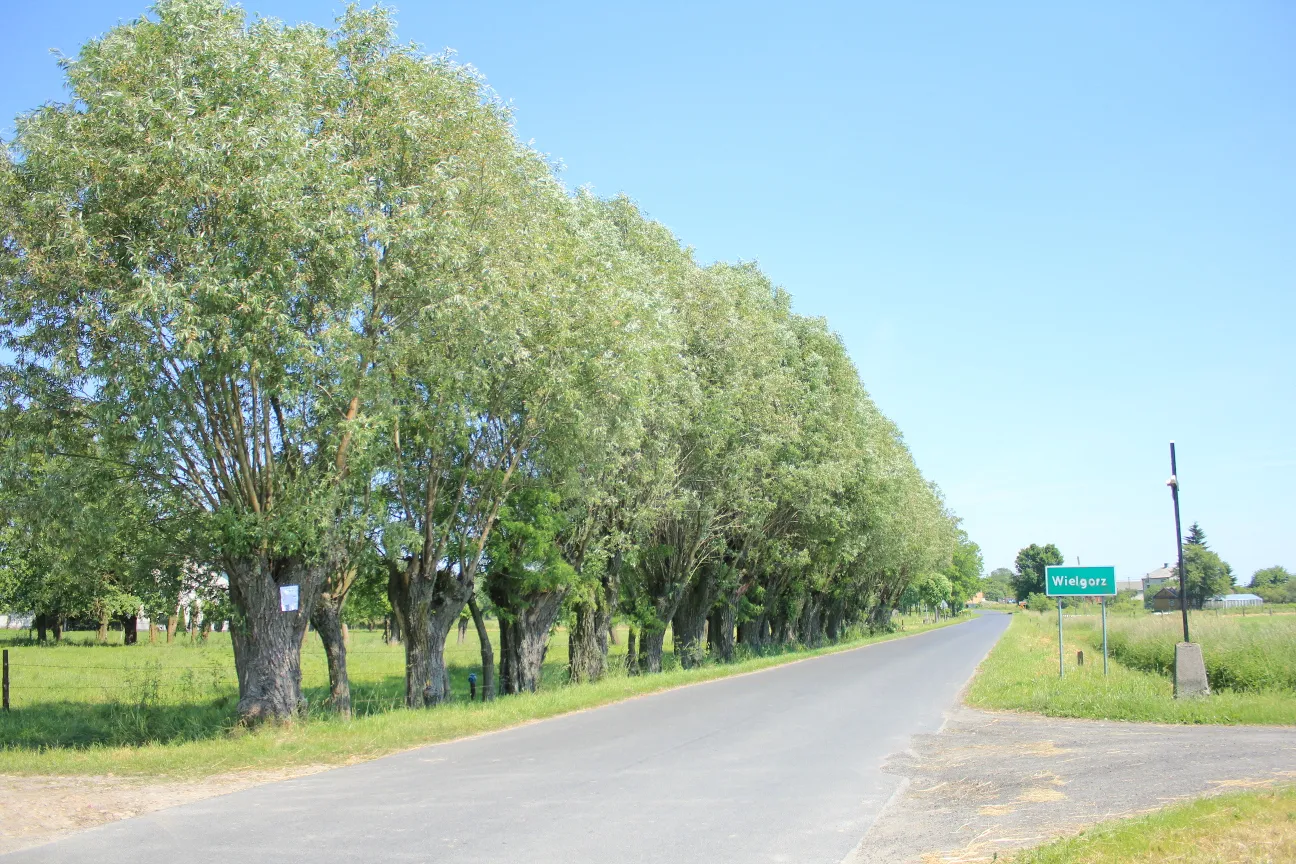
(169, 709)
(1257, 826)
(1021, 673)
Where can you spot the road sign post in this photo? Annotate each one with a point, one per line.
(1062, 582)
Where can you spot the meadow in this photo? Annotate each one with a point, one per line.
(159, 709)
(1252, 657)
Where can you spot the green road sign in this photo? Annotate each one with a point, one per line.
(1080, 581)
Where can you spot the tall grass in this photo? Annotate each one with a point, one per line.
(1248, 654)
(1021, 674)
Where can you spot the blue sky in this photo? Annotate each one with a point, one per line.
(1052, 238)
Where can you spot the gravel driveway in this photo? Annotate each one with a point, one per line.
(993, 781)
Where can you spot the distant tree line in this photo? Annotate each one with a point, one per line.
(292, 308)
(1208, 576)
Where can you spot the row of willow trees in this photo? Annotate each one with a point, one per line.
(283, 303)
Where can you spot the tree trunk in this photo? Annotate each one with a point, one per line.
(835, 618)
(487, 653)
(632, 652)
(586, 657)
(522, 652)
(810, 622)
(102, 635)
(650, 649)
(195, 615)
(42, 627)
(720, 632)
(689, 622)
(57, 627)
(326, 618)
(267, 641)
(153, 631)
(426, 607)
(130, 633)
(173, 623)
(592, 629)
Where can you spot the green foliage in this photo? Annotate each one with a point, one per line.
(997, 587)
(1208, 574)
(328, 320)
(1031, 563)
(964, 572)
(1038, 602)
(1274, 585)
(1270, 576)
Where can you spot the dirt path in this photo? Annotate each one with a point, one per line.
(35, 810)
(991, 782)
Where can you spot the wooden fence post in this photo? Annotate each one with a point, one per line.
(6, 679)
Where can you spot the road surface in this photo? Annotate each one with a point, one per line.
(779, 765)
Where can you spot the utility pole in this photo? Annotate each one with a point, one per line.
(1173, 483)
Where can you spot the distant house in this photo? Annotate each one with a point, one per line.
(1232, 601)
(1135, 585)
(1153, 582)
(1166, 600)
(977, 599)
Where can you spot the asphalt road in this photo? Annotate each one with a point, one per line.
(779, 765)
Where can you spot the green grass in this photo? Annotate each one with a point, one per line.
(1253, 653)
(1021, 674)
(1255, 826)
(169, 710)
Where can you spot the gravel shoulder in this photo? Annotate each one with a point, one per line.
(36, 810)
(990, 782)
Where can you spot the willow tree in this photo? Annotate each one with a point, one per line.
(179, 243)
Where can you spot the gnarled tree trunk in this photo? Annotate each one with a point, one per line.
(689, 622)
(720, 632)
(267, 641)
(426, 607)
(592, 627)
(650, 648)
(524, 636)
(129, 625)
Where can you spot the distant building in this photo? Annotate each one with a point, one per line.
(1135, 585)
(1232, 601)
(1166, 600)
(1154, 581)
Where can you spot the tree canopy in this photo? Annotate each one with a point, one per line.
(1031, 563)
(301, 302)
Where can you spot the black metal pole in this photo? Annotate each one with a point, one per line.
(1183, 575)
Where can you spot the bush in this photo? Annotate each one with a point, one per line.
(1039, 602)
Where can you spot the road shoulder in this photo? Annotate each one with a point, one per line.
(990, 782)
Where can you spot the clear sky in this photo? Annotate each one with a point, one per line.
(1053, 236)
